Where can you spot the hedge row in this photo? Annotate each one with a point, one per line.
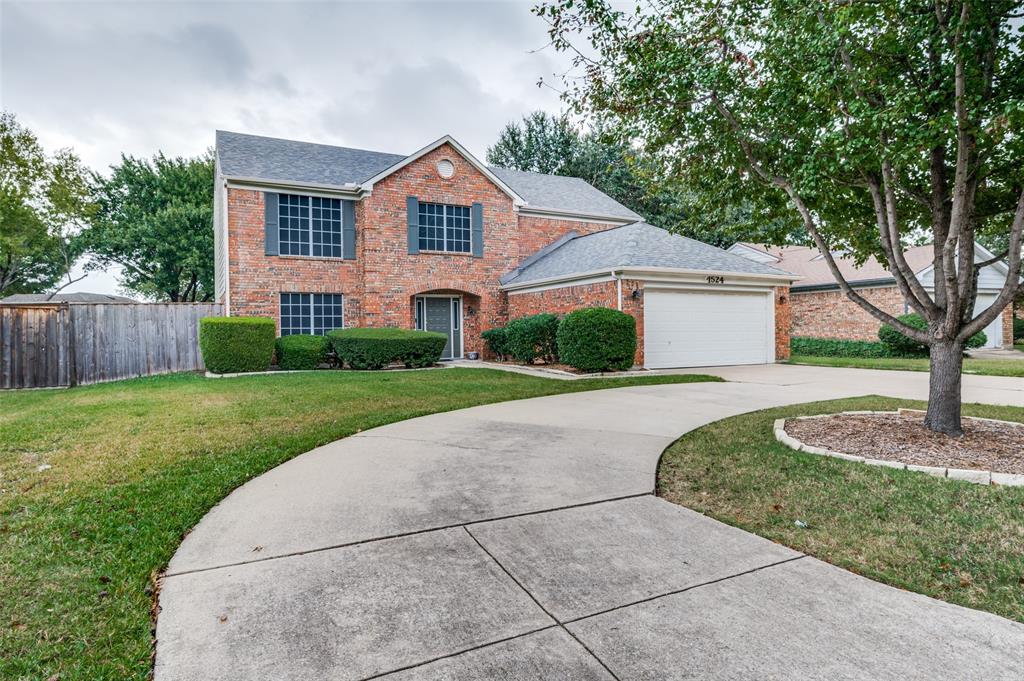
(247, 344)
(236, 344)
(827, 347)
(590, 339)
(377, 348)
(300, 351)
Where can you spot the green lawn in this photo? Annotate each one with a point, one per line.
(982, 367)
(135, 464)
(955, 541)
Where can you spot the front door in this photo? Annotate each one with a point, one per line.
(442, 314)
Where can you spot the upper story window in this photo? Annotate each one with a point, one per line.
(309, 225)
(311, 313)
(444, 227)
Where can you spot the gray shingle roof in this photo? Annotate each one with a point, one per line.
(271, 159)
(562, 193)
(636, 245)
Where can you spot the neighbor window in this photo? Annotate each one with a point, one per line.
(311, 313)
(444, 227)
(309, 225)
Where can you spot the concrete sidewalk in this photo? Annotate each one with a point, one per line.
(521, 541)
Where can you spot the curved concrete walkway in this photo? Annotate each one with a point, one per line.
(521, 541)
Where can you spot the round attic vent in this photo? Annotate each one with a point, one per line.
(445, 168)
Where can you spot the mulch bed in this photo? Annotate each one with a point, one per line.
(902, 437)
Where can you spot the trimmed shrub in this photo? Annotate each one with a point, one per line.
(597, 339)
(377, 348)
(902, 346)
(300, 351)
(1018, 329)
(236, 344)
(827, 347)
(497, 341)
(533, 337)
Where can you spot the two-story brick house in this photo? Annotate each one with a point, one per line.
(320, 237)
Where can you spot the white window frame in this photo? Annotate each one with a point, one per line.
(312, 314)
(309, 227)
(446, 210)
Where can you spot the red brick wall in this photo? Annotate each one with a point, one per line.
(379, 285)
(535, 233)
(569, 298)
(783, 321)
(830, 314)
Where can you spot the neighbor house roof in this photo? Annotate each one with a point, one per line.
(633, 246)
(270, 159)
(82, 297)
(814, 270)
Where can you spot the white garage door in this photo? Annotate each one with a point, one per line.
(994, 331)
(707, 328)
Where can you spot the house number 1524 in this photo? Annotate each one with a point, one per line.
(716, 279)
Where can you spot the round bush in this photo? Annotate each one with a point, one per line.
(377, 348)
(300, 351)
(236, 344)
(597, 339)
(497, 341)
(533, 337)
(901, 346)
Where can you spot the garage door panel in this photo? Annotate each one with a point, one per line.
(704, 328)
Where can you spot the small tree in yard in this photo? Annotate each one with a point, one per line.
(871, 123)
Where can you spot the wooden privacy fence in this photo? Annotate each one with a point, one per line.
(62, 344)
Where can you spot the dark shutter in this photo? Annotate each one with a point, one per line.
(270, 232)
(348, 230)
(412, 206)
(477, 231)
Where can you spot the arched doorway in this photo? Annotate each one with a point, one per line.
(450, 312)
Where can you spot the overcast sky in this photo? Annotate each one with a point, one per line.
(141, 77)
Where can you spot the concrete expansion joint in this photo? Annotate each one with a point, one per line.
(540, 605)
(401, 535)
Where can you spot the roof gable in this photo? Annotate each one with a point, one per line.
(461, 150)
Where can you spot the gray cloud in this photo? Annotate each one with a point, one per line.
(112, 77)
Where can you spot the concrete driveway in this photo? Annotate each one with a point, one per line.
(521, 541)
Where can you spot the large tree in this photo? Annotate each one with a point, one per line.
(43, 200)
(155, 220)
(873, 123)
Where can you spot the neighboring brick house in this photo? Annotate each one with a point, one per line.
(820, 310)
(320, 237)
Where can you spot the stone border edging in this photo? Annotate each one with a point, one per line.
(975, 476)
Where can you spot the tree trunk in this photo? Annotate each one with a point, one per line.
(944, 382)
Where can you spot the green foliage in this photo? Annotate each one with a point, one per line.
(829, 347)
(155, 220)
(377, 348)
(901, 346)
(1018, 329)
(236, 344)
(541, 144)
(301, 351)
(497, 341)
(597, 339)
(533, 337)
(42, 203)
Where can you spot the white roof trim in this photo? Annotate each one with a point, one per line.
(517, 200)
(348, 190)
(979, 250)
(534, 211)
(739, 246)
(645, 273)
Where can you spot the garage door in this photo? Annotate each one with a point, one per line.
(707, 328)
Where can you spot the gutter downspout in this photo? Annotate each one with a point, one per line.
(618, 286)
